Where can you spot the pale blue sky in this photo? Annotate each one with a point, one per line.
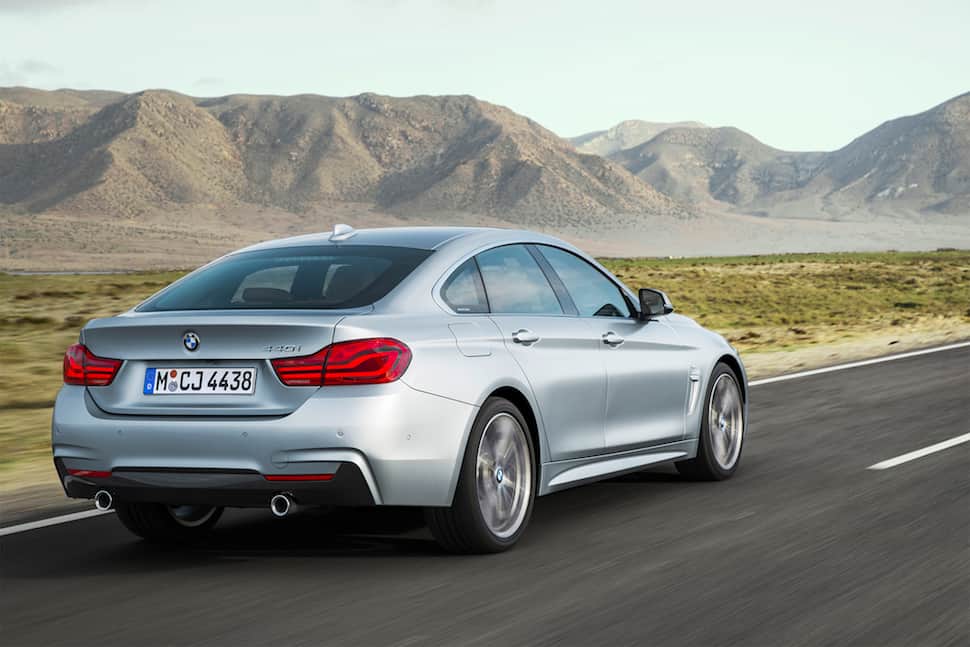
(798, 75)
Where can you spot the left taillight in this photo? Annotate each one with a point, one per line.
(361, 361)
(84, 368)
(302, 371)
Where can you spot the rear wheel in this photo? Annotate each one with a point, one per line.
(168, 523)
(722, 430)
(496, 488)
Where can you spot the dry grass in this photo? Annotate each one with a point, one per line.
(770, 303)
(41, 317)
(762, 304)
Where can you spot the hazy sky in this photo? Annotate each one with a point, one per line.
(798, 75)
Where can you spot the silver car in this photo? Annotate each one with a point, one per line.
(463, 370)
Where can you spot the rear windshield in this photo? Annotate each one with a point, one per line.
(292, 277)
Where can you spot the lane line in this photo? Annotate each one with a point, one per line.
(77, 516)
(865, 362)
(920, 453)
(52, 521)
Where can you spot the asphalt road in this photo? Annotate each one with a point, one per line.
(805, 546)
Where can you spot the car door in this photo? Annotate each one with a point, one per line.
(647, 368)
(559, 354)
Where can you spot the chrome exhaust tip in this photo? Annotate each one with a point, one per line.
(103, 500)
(281, 505)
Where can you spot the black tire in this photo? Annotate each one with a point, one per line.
(462, 528)
(155, 523)
(704, 467)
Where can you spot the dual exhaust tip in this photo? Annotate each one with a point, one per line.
(103, 500)
(280, 505)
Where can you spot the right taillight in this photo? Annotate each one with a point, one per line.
(366, 361)
(84, 368)
(361, 361)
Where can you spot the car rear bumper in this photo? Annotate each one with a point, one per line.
(230, 488)
(404, 446)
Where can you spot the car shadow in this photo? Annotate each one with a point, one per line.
(247, 535)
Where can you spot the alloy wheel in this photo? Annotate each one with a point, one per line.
(504, 475)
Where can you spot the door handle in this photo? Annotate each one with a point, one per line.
(612, 339)
(524, 336)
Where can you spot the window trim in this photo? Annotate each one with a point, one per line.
(527, 246)
(546, 269)
(565, 299)
(620, 288)
(481, 284)
(439, 298)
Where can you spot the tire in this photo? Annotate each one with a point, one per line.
(164, 524)
(719, 448)
(492, 505)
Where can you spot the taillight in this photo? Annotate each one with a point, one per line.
(366, 361)
(301, 371)
(84, 368)
(362, 361)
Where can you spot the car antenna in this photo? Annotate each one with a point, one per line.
(341, 232)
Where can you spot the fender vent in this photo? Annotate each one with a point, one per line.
(693, 396)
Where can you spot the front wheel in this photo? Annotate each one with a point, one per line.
(496, 488)
(722, 430)
(160, 523)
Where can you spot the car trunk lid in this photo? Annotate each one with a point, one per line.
(206, 340)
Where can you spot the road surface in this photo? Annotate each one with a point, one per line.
(805, 546)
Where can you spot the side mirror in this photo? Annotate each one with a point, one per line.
(654, 303)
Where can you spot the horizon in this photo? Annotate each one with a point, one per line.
(561, 135)
(796, 78)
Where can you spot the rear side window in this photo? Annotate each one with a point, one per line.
(515, 284)
(593, 293)
(325, 277)
(463, 291)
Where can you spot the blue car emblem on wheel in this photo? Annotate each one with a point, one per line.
(191, 341)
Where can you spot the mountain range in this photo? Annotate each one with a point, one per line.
(98, 172)
(914, 166)
(128, 154)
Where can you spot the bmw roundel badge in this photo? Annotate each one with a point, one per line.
(191, 341)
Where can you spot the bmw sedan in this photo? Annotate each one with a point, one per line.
(462, 370)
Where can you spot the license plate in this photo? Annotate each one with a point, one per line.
(200, 381)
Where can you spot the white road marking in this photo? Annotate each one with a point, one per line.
(77, 516)
(920, 453)
(53, 521)
(865, 362)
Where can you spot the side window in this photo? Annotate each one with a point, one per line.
(463, 291)
(593, 293)
(515, 284)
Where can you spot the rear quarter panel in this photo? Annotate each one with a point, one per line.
(461, 358)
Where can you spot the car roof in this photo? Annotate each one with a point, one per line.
(428, 238)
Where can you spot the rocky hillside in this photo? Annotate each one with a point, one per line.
(906, 167)
(920, 162)
(125, 155)
(625, 134)
(712, 165)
